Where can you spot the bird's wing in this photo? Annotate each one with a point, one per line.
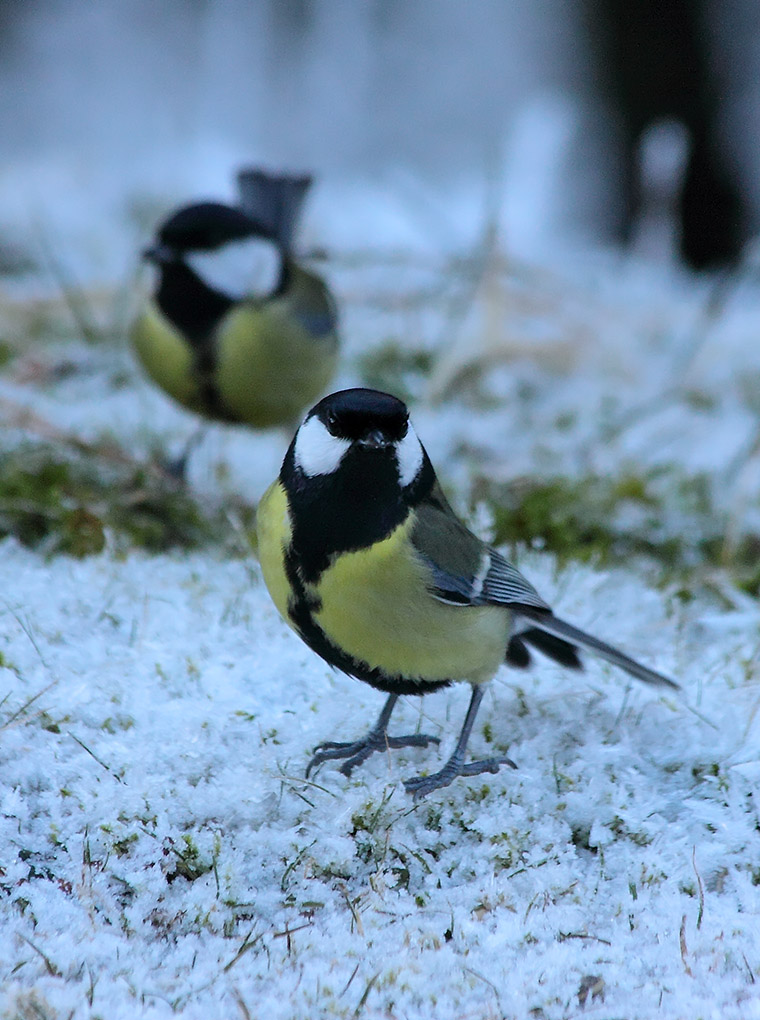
(467, 572)
(309, 300)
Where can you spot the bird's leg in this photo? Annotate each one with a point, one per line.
(377, 739)
(456, 765)
(176, 467)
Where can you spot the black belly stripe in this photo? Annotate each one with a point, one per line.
(212, 401)
(196, 311)
(302, 606)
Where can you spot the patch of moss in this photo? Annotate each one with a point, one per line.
(7, 353)
(64, 501)
(5, 663)
(189, 863)
(623, 831)
(122, 847)
(581, 837)
(667, 517)
(573, 518)
(40, 503)
(47, 722)
(160, 517)
(747, 556)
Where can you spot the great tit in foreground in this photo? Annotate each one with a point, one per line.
(368, 563)
(237, 329)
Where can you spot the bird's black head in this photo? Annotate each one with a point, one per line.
(209, 257)
(358, 430)
(362, 416)
(204, 226)
(353, 472)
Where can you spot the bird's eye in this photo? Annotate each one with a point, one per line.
(332, 422)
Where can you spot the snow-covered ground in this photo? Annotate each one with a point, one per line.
(161, 853)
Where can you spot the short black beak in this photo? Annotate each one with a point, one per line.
(158, 253)
(375, 440)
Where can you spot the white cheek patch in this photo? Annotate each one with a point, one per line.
(316, 451)
(409, 457)
(247, 268)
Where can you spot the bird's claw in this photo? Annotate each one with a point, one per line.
(421, 786)
(357, 752)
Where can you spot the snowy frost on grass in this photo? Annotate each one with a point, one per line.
(161, 852)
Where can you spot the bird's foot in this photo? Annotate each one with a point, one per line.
(175, 468)
(356, 753)
(421, 786)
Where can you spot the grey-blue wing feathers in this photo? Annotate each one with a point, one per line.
(504, 584)
(466, 572)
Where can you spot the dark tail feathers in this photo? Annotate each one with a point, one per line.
(555, 648)
(558, 639)
(274, 200)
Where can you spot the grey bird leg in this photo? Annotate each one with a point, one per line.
(377, 739)
(420, 786)
(176, 467)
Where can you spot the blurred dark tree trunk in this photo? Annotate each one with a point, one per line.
(653, 62)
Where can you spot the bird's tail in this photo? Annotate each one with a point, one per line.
(274, 200)
(566, 634)
(553, 647)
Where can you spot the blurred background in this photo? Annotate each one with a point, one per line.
(537, 217)
(418, 117)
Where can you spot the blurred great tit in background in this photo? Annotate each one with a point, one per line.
(366, 560)
(237, 328)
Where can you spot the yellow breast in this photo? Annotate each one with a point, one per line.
(268, 368)
(376, 606)
(167, 357)
(273, 534)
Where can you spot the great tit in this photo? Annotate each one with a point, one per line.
(237, 329)
(366, 560)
